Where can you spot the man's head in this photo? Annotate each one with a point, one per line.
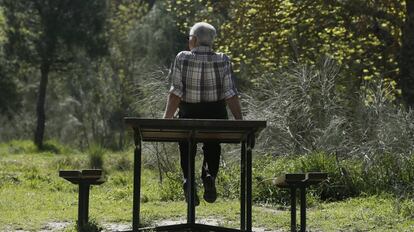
(202, 34)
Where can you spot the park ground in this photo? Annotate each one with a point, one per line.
(34, 198)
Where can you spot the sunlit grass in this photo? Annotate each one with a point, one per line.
(32, 195)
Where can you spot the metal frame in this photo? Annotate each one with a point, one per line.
(84, 179)
(247, 144)
(301, 181)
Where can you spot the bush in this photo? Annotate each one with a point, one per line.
(172, 187)
(96, 156)
(406, 208)
(55, 147)
(91, 226)
(308, 109)
(18, 147)
(388, 173)
(68, 162)
(123, 163)
(342, 175)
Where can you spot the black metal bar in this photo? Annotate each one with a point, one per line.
(191, 181)
(249, 183)
(303, 209)
(243, 187)
(137, 181)
(83, 206)
(293, 209)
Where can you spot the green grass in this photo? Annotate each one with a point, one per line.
(32, 194)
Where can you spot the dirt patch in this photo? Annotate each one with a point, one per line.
(55, 226)
(116, 227)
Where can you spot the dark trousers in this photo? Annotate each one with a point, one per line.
(211, 150)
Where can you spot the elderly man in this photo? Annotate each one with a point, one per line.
(202, 86)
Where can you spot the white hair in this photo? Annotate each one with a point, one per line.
(204, 32)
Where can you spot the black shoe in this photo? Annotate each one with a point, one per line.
(210, 192)
(197, 200)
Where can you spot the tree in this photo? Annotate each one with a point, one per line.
(9, 98)
(46, 33)
(368, 38)
(406, 61)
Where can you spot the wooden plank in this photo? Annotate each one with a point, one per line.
(91, 173)
(177, 135)
(316, 177)
(286, 180)
(219, 135)
(164, 134)
(212, 124)
(89, 176)
(70, 174)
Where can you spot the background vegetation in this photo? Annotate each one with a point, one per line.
(333, 79)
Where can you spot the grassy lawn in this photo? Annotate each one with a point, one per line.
(32, 194)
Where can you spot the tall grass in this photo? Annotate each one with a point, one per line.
(309, 109)
(96, 156)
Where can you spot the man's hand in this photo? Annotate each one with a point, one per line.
(235, 108)
(172, 104)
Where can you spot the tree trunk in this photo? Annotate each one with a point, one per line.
(406, 61)
(40, 109)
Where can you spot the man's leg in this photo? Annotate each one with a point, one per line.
(211, 162)
(184, 162)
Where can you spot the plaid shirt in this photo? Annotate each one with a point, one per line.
(201, 75)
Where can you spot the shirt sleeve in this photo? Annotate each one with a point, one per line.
(176, 78)
(229, 86)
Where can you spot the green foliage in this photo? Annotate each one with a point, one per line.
(406, 208)
(172, 187)
(389, 173)
(53, 199)
(9, 95)
(91, 226)
(18, 147)
(123, 163)
(55, 147)
(67, 162)
(308, 111)
(264, 36)
(45, 33)
(96, 155)
(343, 175)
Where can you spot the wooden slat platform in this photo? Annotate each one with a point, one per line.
(89, 176)
(173, 130)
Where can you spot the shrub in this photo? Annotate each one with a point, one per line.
(341, 181)
(96, 156)
(91, 226)
(406, 208)
(308, 109)
(19, 147)
(123, 163)
(55, 147)
(172, 187)
(388, 173)
(68, 162)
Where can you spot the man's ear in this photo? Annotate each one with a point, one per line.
(195, 41)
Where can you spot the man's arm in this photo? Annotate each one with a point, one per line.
(235, 108)
(172, 104)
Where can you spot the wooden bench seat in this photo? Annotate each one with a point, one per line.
(83, 178)
(293, 181)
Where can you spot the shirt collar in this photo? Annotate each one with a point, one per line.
(202, 49)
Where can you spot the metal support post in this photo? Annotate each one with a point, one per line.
(137, 182)
(293, 209)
